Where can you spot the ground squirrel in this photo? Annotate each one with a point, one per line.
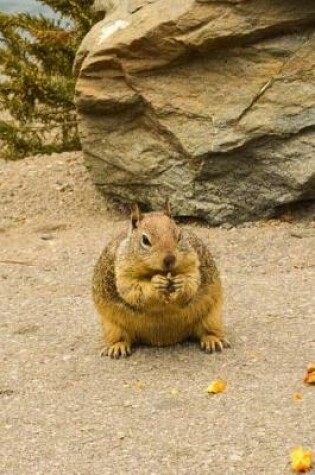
(157, 284)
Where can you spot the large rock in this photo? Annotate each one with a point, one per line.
(211, 103)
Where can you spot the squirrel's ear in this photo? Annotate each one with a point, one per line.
(167, 208)
(136, 216)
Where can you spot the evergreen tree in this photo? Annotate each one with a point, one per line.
(36, 80)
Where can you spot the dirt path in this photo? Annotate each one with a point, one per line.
(66, 411)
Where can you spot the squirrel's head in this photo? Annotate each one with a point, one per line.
(158, 241)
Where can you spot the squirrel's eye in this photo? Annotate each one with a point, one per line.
(145, 240)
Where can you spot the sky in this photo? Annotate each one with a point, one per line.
(23, 6)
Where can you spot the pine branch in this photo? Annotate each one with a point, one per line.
(37, 88)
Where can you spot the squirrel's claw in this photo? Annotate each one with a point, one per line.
(226, 343)
(117, 350)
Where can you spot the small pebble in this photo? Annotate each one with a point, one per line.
(227, 226)
(47, 237)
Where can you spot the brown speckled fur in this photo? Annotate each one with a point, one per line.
(131, 305)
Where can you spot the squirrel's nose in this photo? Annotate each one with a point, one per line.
(169, 261)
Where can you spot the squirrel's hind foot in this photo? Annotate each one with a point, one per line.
(211, 343)
(121, 348)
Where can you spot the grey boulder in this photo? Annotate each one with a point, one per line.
(210, 103)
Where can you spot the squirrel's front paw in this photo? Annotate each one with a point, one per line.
(160, 283)
(121, 348)
(178, 283)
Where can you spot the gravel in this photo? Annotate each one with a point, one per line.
(67, 411)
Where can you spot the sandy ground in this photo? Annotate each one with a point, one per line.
(67, 411)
